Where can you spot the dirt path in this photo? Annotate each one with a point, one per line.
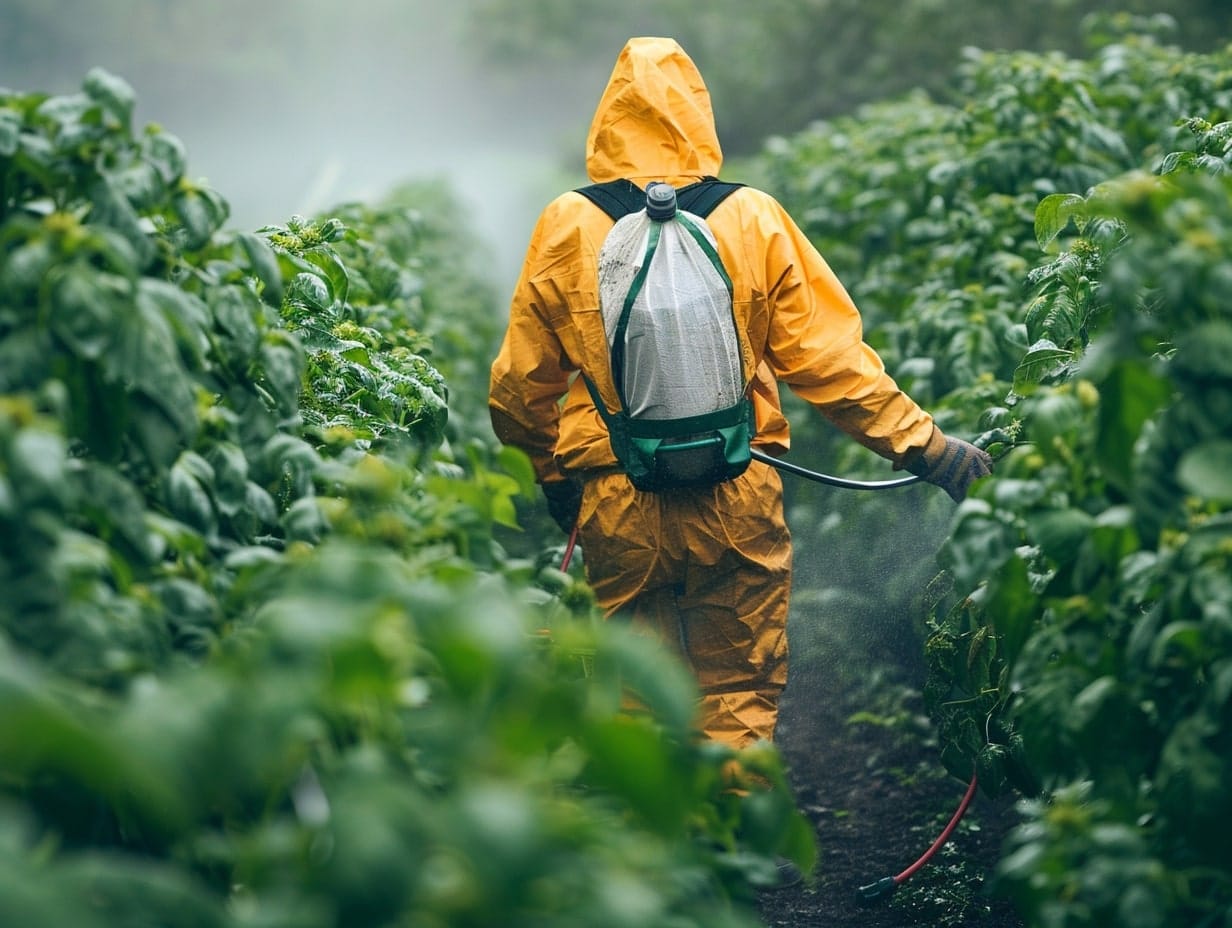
(878, 799)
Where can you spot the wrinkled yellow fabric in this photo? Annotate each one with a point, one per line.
(708, 570)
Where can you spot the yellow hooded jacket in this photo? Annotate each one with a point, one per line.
(709, 570)
(796, 321)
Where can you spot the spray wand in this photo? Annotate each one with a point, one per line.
(1002, 436)
(829, 480)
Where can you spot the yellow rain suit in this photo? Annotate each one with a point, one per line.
(707, 570)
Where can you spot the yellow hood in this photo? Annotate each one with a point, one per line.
(654, 121)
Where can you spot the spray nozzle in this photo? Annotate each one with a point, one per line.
(875, 892)
(660, 201)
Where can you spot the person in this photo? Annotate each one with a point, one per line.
(707, 570)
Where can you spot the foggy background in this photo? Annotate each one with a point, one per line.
(292, 106)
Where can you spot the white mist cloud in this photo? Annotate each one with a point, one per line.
(291, 106)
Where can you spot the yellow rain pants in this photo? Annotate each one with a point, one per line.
(708, 573)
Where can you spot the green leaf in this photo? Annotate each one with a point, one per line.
(310, 291)
(656, 679)
(110, 207)
(1206, 351)
(503, 510)
(202, 213)
(517, 464)
(41, 737)
(1129, 395)
(251, 557)
(139, 183)
(24, 268)
(1206, 471)
(1054, 415)
(1012, 608)
(1059, 533)
(159, 434)
(187, 604)
(86, 308)
(304, 521)
(287, 457)
(1192, 779)
(1113, 536)
(186, 314)
(36, 464)
(979, 543)
(166, 533)
(141, 891)
(31, 893)
(260, 505)
(1176, 160)
(165, 154)
(10, 132)
(1106, 139)
(235, 310)
(66, 112)
(1042, 360)
(627, 758)
(1053, 215)
(1183, 642)
(282, 363)
(145, 357)
(186, 498)
(333, 271)
(116, 505)
(113, 93)
(230, 477)
(264, 265)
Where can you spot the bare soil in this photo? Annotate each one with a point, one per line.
(878, 798)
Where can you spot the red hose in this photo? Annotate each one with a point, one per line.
(564, 564)
(880, 889)
(945, 835)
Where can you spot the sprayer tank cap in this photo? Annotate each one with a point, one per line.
(660, 201)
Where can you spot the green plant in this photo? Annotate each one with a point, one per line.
(262, 660)
(147, 386)
(1099, 574)
(1076, 650)
(371, 385)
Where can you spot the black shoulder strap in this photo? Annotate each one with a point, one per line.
(619, 198)
(702, 197)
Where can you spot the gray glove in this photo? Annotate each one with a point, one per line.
(950, 463)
